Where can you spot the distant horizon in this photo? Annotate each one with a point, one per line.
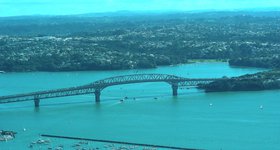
(268, 9)
(10, 8)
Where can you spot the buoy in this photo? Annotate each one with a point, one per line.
(261, 107)
(24, 129)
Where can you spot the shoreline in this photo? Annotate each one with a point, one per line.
(265, 80)
(191, 61)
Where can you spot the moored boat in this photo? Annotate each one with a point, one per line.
(7, 135)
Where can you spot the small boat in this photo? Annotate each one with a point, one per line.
(11, 133)
(30, 146)
(6, 137)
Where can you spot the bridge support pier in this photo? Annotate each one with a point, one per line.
(174, 89)
(97, 94)
(36, 102)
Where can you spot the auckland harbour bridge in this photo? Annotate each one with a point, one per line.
(97, 86)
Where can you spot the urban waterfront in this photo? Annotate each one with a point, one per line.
(194, 119)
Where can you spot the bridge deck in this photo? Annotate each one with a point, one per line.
(98, 86)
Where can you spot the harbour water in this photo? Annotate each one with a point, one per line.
(194, 119)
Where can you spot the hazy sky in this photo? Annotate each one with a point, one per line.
(62, 7)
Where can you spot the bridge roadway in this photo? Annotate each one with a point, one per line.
(97, 86)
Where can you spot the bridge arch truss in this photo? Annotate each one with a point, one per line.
(97, 86)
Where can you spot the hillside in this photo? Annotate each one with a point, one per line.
(106, 42)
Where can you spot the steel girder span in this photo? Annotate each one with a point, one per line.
(97, 86)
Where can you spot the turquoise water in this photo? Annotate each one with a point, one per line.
(234, 121)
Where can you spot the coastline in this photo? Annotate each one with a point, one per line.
(266, 80)
(190, 61)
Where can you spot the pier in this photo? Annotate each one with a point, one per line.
(116, 142)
